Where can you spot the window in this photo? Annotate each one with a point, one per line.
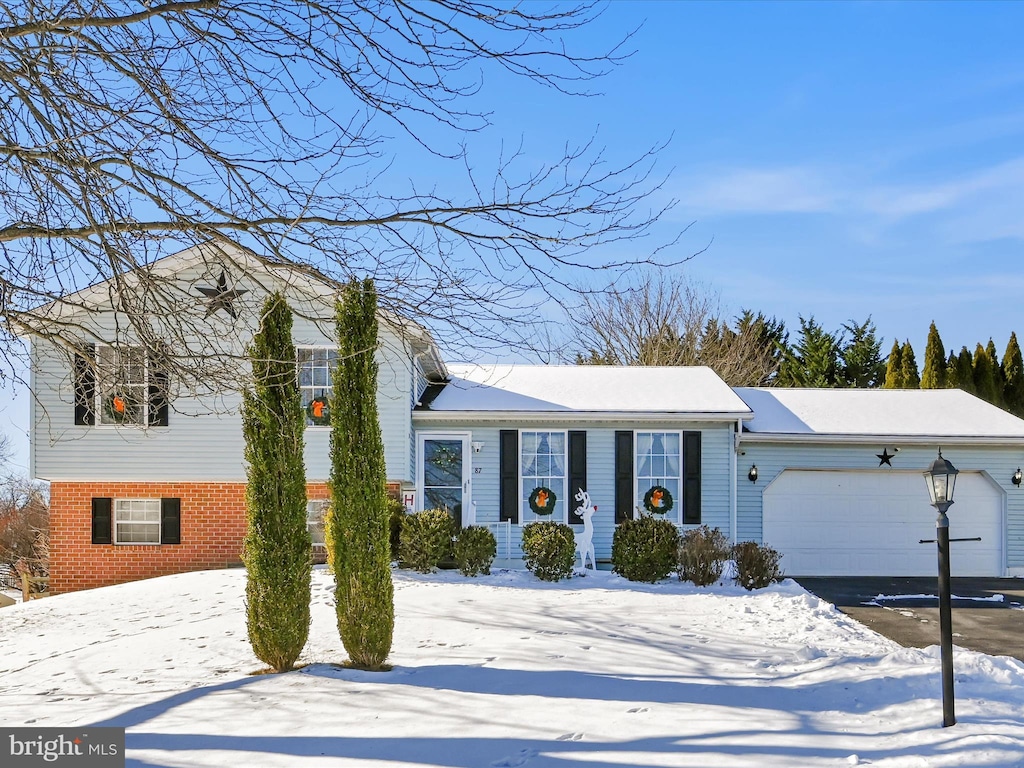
(316, 367)
(137, 521)
(122, 385)
(543, 464)
(315, 521)
(658, 462)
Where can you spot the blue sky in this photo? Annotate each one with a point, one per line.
(843, 159)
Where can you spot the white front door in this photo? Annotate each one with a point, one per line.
(443, 476)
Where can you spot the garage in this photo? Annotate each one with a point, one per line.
(869, 523)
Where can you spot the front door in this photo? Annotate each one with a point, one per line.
(444, 476)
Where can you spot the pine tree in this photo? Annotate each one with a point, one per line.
(277, 551)
(984, 375)
(894, 368)
(1013, 376)
(952, 371)
(997, 372)
(364, 592)
(934, 374)
(965, 371)
(861, 356)
(813, 361)
(908, 364)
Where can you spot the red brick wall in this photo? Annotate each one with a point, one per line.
(212, 529)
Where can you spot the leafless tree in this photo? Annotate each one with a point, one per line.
(663, 318)
(24, 526)
(133, 129)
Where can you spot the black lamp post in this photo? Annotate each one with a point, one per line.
(941, 478)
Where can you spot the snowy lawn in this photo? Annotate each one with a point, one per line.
(505, 671)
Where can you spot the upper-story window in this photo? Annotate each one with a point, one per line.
(122, 385)
(316, 368)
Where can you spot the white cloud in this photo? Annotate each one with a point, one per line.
(762, 190)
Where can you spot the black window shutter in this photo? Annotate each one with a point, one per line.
(691, 477)
(577, 472)
(509, 471)
(170, 521)
(85, 388)
(101, 520)
(623, 476)
(159, 408)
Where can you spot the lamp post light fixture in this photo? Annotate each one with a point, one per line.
(941, 479)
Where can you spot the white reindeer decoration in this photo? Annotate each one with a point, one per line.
(585, 538)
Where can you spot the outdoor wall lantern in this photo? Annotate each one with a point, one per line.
(1016, 478)
(941, 479)
(752, 474)
(477, 447)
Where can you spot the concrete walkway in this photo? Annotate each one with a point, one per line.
(980, 622)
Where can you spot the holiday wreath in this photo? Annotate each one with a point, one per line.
(319, 411)
(542, 500)
(658, 500)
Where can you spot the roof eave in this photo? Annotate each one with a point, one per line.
(891, 439)
(580, 416)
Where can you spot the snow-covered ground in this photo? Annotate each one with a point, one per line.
(505, 671)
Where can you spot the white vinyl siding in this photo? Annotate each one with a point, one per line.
(136, 521)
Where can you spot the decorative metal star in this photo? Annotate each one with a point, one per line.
(220, 297)
(885, 457)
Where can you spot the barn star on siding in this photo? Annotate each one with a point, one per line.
(221, 297)
(885, 457)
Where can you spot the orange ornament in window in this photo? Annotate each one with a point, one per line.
(542, 499)
(318, 409)
(118, 404)
(656, 497)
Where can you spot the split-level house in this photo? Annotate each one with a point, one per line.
(147, 475)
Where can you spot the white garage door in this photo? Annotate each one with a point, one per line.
(869, 524)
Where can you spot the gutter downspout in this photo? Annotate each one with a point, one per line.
(733, 514)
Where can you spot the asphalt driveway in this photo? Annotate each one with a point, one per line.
(906, 609)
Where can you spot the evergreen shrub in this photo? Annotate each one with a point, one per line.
(645, 549)
(475, 550)
(426, 540)
(703, 553)
(549, 550)
(395, 522)
(757, 565)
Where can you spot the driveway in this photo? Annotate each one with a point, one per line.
(906, 609)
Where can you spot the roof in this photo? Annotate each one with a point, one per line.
(899, 413)
(591, 389)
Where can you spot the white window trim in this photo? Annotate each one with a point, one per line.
(298, 380)
(98, 398)
(676, 515)
(524, 506)
(158, 524)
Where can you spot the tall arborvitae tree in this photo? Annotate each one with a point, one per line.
(952, 372)
(1013, 377)
(861, 356)
(894, 368)
(965, 371)
(934, 374)
(277, 550)
(984, 375)
(997, 372)
(359, 504)
(813, 360)
(908, 362)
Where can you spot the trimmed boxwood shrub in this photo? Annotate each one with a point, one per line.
(645, 549)
(475, 550)
(549, 550)
(757, 565)
(426, 539)
(703, 553)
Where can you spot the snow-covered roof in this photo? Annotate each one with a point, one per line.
(591, 389)
(852, 413)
